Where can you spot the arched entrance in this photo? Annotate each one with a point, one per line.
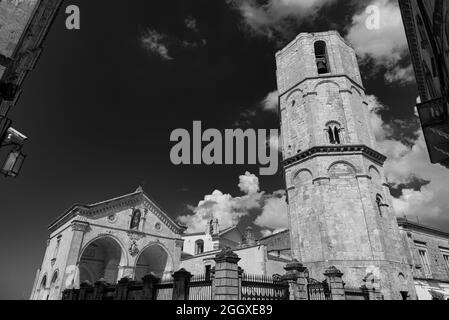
(153, 260)
(100, 260)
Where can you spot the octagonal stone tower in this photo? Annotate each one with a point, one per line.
(340, 209)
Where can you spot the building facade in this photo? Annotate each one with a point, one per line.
(427, 28)
(339, 204)
(427, 250)
(24, 25)
(129, 236)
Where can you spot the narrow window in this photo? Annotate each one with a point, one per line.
(208, 271)
(322, 61)
(333, 132)
(379, 204)
(446, 260)
(331, 135)
(422, 252)
(445, 254)
(58, 244)
(199, 247)
(336, 135)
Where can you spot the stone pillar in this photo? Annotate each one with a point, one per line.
(121, 292)
(372, 286)
(227, 276)
(181, 281)
(79, 228)
(99, 289)
(83, 290)
(148, 292)
(296, 277)
(335, 281)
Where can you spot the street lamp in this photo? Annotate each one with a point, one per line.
(13, 164)
(15, 159)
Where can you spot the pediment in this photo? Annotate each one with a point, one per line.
(136, 200)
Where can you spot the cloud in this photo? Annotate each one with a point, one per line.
(269, 210)
(249, 183)
(159, 43)
(274, 214)
(271, 102)
(408, 161)
(385, 46)
(191, 24)
(156, 42)
(277, 18)
(227, 209)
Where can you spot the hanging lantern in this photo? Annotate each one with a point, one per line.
(13, 164)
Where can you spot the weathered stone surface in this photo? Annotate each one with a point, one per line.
(334, 216)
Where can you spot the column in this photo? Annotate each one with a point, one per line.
(335, 280)
(296, 277)
(226, 276)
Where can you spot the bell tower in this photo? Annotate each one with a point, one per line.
(340, 208)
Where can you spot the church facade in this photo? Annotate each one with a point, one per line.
(129, 236)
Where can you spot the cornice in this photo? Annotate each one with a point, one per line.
(335, 150)
(116, 205)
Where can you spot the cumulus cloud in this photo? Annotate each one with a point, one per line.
(274, 216)
(385, 46)
(270, 209)
(249, 183)
(226, 208)
(275, 18)
(408, 162)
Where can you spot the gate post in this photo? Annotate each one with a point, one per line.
(83, 288)
(121, 292)
(296, 277)
(335, 282)
(371, 286)
(181, 281)
(99, 289)
(148, 287)
(226, 279)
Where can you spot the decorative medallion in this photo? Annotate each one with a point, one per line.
(133, 249)
(112, 218)
(158, 226)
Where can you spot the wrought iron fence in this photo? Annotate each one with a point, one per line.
(200, 288)
(318, 290)
(259, 287)
(164, 290)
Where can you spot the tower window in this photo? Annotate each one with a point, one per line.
(333, 131)
(199, 246)
(379, 203)
(321, 58)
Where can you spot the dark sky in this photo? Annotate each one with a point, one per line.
(99, 110)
